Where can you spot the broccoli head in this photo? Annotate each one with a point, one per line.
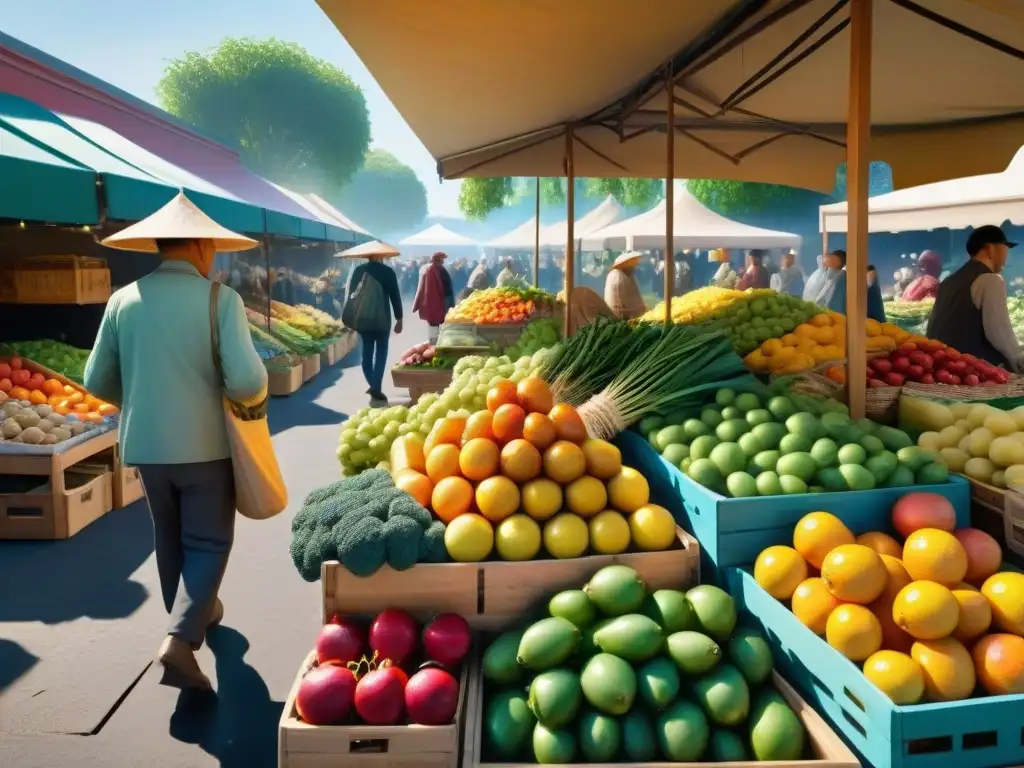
(313, 557)
(300, 539)
(361, 550)
(406, 506)
(326, 492)
(432, 548)
(402, 536)
(370, 480)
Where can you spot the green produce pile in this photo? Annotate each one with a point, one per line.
(364, 522)
(366, 437)
(55, 355)
(615, 673)
(267, 347)
(746, 445)
(1016, 306)
(536, 336)
(911, 316)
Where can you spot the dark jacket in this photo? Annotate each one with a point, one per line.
(956, 321)
(384, 275)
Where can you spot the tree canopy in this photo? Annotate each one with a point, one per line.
(295, 119)
(385, 195)
(478, 197)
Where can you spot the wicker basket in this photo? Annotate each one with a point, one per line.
(965, 394)
(881, 404)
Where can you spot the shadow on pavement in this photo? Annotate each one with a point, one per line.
(238, 724)
(15, 661)
(301, 409)
(86, 575)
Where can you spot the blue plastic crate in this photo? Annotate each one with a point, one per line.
(975, 733)
(734, 531)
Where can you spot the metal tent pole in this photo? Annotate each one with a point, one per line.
(536, 237)
(670, 192)
(570, 229)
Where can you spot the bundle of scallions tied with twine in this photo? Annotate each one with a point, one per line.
(674, 370)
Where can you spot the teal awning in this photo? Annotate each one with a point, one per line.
(36, 185)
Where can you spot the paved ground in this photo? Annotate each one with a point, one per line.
(80, 621)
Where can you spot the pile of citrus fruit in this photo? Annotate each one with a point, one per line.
(931, 619)
(523, 475)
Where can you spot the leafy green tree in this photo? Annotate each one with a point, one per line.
(296, 119)
(385, 195)
(478, 197)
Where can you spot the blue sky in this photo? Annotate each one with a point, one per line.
(129, 42)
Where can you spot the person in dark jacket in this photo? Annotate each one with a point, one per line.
(876, 307)
(970, 312)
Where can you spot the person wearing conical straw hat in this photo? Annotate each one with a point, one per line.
(621, 292)
(153, 356)
(372, 286)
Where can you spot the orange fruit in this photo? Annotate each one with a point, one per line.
(497, 497)
(75, 398)
(37, 397)
(442, 462)
(478, 425)
(6, 386)
(534, 395)
(520, 461)
(812, 604)
(564, 462)
(508, 423)
(854, 574)
(999, 664)
(1005, 591)
(449, 430)
(931, 554)
(478, 459)
(539, 430)
(779, 570)
(818, 533)
(926, 610)
(53, 387)
(106, 409)
(500, 394)
(604, 460)
(893, 638)
(81, 408)
(975, 614)
(19, 393)
(854, 631)
(568, 424)
(948, 669)
(882, 543)
(416, 484)
(452, 496)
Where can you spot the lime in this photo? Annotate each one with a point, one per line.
(872, 445)
(517, 538)
(934, 473)
(759, 416)
(711, 416)
(649, 423)
(767, 460)
(675, 453)
(695, 428)
(805, 424)
(609, 533)
(852, 454)
(652, 438)
(704, 472)
(731, 412)
(750, 444)
(900, 478)
(770, 434)
(792, 485)
(857, 477)
(832, 479)
(668, 435)
(881, 465)
(725, 397)
(702, 446)
(684, 465)
(798, 464)
(730, 431)
(795, 443)
(740, 484)
(824, 452)
(747, 401)
(757, 322)
(729, 458)
(768, 484)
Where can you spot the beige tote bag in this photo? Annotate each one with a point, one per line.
(259, 487)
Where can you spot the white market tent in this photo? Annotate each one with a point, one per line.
(438, 237)
(957, 204)
(519, 239)
(608, 212)
(693, 225)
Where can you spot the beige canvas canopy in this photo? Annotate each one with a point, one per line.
(607, 212)
(761, 87)
(520, 238)
(179, 219)
(991, 198)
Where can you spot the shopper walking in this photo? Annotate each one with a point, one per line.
(371, 287)
(154, 355)
(434, 295)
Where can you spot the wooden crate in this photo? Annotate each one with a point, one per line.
(494, 592)
(329, 356)
(421, 380)
(999, 513)
(310, 366)
(827, 748)
(301, 745)
(348, 341)
(76, 488)
(284, 382)
(127, 482)
(56, 280)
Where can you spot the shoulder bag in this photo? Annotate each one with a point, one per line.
(366, 310)
(259, 488)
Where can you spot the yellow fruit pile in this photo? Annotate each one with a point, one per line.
(910, 614)
(820, 340)
(523, 475)
(702, 305)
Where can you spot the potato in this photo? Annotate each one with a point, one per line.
(32, 435)
(44, 410)
(46, 425)
(57, 420)
(4, 397)
(77, 428)
(27, 418)
(48, 439)
(61, 433)
(11, 429)
(11, 407)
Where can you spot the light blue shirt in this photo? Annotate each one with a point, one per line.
(153, 357)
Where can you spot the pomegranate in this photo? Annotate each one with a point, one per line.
(341, 641)
(393, 635)
(984, 555)
(447, 639)
(431, 696)
(326, 694)
(923, 510)
(380, 692)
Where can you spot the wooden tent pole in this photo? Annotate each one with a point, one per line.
(670, 192)
(536, 237)
(570, 229)
(858, 147)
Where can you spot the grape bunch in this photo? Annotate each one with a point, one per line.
(367, 436)
(535, 336)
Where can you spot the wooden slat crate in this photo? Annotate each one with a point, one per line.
(310, 366)
(999, 513)
(56, 280)
(419, 381)
(127, 482)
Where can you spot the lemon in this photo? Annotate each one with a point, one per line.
(586, 496)
(652, 528)
(896, 675)
(604, 460)
(469, 538)
(926, 610)
(779, 570)
(854, 631)
(517, 538)
(628, 490)
(566, 535)
(854, 573)
(609, 533)
(812, 604)
(541, 498)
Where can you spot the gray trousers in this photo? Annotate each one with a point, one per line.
(193, 509)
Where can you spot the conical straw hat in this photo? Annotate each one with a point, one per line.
(179, 219)
(372, 248)
(627, 260)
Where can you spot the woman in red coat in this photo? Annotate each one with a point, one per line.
(926, 286)
(434, 296)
